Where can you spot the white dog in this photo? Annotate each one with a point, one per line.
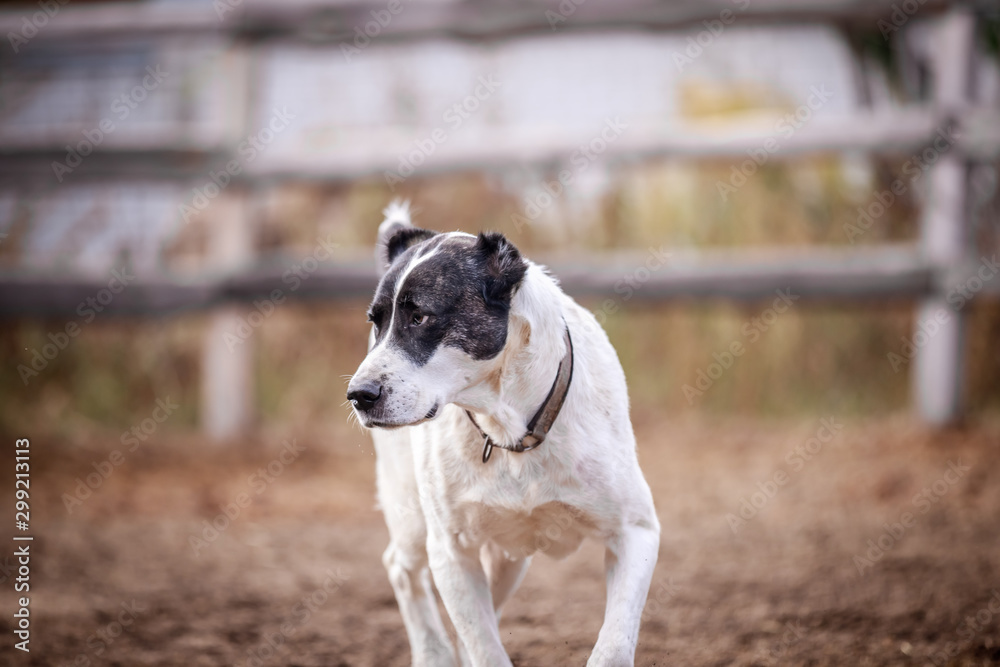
(502, 428)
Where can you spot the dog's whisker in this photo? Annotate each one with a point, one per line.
(354, 420)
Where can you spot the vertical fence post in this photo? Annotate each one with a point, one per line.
(227, 366)
(940, 331)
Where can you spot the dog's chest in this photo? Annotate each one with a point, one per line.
(523, 511)
(555, 529)
(526, 503)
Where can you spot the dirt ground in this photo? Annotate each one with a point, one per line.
(121, 581)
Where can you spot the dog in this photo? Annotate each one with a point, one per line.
(500, 417)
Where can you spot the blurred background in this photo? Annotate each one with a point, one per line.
(785, 213)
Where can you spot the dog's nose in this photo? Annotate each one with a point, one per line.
(365, 396)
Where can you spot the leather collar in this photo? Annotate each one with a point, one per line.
(547, 412)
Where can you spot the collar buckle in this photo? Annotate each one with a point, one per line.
(530, 441)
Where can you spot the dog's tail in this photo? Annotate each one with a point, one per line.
(397, 216)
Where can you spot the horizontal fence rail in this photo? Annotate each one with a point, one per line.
(972, 132)
(869, 274)
(312, 20)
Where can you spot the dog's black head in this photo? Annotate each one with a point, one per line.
(440, 313)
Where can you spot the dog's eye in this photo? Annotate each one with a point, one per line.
(418, 319)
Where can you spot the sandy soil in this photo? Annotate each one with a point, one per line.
(302, 558)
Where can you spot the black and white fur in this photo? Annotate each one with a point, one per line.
(464, 322)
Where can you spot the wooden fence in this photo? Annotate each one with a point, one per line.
(924, 272)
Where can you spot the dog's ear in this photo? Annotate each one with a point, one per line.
(397, 244)
(504, 268)
(396, 234)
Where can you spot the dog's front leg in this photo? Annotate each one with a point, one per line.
(465, 591)
(630, 557)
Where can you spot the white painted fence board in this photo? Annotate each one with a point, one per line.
(939, 368)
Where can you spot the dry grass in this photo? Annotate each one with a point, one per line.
(814, 359)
